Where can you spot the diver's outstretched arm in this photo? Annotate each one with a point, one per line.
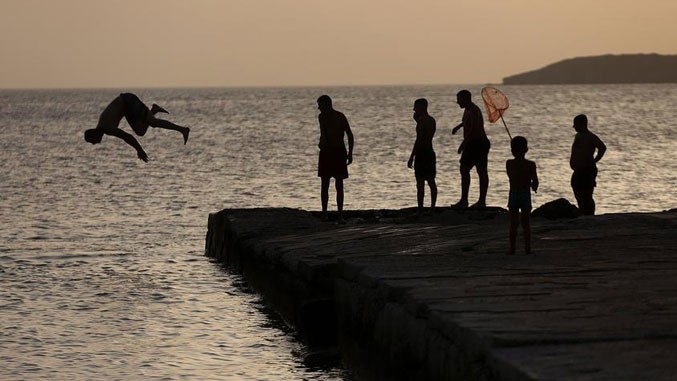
(129, 139)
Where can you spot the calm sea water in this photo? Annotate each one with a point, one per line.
(102, 274)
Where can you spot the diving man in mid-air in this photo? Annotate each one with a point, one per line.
(138, 116)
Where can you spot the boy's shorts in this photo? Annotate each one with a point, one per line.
(520, 200)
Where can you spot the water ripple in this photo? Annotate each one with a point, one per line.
(102, 273)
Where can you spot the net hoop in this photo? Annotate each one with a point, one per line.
(495, 103)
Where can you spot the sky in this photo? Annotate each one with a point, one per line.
(214, 43)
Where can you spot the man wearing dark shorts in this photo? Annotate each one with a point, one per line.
(138, 116)
(474, 149)
(422, 156)
(333, 160)
(584, 164)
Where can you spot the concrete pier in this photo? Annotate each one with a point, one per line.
(436, 298)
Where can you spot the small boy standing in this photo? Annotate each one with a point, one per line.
(522, 175)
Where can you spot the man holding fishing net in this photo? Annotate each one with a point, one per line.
(474, 149)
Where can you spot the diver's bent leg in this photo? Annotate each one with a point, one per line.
(167, 125)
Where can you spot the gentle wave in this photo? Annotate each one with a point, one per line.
(102, 270)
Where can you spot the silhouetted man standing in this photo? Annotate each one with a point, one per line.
(584, 163)
(422, 157)
(474, 150)
(138, 116)
(333, 160)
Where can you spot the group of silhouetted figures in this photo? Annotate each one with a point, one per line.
(334, 158)
(474, 150)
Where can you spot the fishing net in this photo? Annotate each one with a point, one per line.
(495, 102)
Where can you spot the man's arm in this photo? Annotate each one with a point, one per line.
(410, 162)
(351, 141)
(454, 131)
(465, 119)
(601, 148)
(323, 136)
(129, 139)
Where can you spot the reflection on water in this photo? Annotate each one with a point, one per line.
(122, 316)
(101, 266)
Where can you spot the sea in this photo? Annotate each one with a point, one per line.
(102, 267)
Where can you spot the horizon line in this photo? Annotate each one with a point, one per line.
(246, 86)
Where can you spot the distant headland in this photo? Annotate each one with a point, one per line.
(625, 68)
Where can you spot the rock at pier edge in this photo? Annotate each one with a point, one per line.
(435, 298)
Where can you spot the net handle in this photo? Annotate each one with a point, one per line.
(500, 113)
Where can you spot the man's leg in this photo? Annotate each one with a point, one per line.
(465, 186)
(433, 195)
(483, 174)
(420, 194)
(167, 125)
(339, 198)
(579, 198)
(324, 196)
(481, 164)
(586, 205)
(591, 202)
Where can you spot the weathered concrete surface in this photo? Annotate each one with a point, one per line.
(436, 298)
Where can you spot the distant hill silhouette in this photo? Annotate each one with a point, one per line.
(625, 68)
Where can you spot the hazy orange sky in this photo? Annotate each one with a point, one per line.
(166, 43)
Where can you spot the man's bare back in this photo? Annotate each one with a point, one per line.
(333, 127)
(112, 115)
(473, 123)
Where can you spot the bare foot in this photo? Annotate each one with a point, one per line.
(460, 205)
(185, 135)
(324, 216)
(156, 109)
(479, 205)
